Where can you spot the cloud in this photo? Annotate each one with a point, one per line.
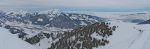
(77, 3)
(23, 3)
(101, 3)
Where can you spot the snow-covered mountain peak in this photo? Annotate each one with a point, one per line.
(51, 12)
(21, 12)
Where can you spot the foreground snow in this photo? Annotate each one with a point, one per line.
(129, 36)
(10, 41)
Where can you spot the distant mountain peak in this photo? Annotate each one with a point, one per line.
(145, 22)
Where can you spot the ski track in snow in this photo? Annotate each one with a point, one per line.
(142, 40)
(139, 35)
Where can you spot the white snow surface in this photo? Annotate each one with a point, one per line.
(83, 23)
(128, 36)
(40, 19)
(11, 41)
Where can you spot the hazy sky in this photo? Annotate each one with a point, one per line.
(79, 4)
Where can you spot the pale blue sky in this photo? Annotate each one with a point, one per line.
(102, 5)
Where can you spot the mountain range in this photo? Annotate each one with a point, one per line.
(54, 29)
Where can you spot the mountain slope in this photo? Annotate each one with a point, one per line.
(10, 41)
(128, 36)
(49, 19)
(84, 37)
(59, 30)
(41, 29)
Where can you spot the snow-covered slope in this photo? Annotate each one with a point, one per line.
(129, 36)
(10, 41)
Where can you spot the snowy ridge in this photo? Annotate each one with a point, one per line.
(50, 18)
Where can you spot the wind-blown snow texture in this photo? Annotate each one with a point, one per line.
(10, 41)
